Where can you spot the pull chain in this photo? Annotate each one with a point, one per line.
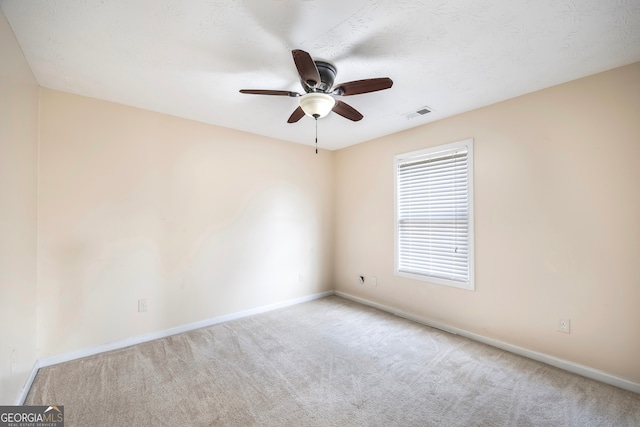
(316, 135)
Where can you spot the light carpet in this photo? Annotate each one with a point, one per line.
(329, 362)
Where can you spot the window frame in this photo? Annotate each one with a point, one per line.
(433, 152)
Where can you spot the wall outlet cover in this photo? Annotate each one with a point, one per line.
(564, 325)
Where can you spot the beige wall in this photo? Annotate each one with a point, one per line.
(18, 211)
(203, 221)
(557, 220)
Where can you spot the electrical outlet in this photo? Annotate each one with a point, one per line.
(143, 305)
(374, 281)
(564, 325)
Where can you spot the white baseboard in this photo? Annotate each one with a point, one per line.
(127, 342)
(576, 368)
(27, 385)
(550, 360)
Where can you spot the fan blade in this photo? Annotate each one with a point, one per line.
(363, 86)
(347, 111)
(306, 67)
(269, 92)
(296, 115)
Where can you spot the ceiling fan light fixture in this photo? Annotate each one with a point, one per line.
(317, 105)
(317, 79)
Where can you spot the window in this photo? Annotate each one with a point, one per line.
(434, 214)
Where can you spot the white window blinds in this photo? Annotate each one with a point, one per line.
(434, 234)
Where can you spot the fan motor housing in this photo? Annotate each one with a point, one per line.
(327, 73)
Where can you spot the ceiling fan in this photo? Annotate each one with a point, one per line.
(317, 79)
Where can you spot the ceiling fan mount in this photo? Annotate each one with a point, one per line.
(317, 80)
(327, 73)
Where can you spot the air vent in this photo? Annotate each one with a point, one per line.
(417, 113)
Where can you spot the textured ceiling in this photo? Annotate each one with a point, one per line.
(190, 58)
